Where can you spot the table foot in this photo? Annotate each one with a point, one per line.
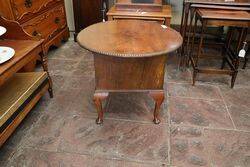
(158, 97)
(156, 121)
(99, 121)
(51, 94)
(98, 98)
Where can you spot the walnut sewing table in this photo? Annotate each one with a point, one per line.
(129, 56)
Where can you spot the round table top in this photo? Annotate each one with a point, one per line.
(129, 38)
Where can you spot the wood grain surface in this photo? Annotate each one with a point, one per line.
(129, 38)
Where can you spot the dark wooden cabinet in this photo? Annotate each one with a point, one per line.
(88, 12)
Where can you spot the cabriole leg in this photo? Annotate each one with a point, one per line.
(98, 98)
(158, 97)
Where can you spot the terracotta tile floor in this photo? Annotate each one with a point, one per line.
(206, 125)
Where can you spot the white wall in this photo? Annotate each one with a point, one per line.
(70, 14)
(176, 11)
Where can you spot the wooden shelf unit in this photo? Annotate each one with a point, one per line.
(19, 92)
(18, 97)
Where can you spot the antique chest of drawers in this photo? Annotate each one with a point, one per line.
(45, 19)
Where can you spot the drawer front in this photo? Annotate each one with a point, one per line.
(26, 9)
(47, 25)
(152, 19)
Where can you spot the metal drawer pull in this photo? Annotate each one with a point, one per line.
(28, 3)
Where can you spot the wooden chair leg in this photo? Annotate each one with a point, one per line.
(44, 60)
(195, 72)
(191, 53)
(245, 63)
(225, 47)
(236, 64)
(224, 58)
(51, 94)
(185, 61)
(203, 22)
(98, 98)
(223, 63)
(194, 76)
(158, 97)
(184, 22)
(190, 29)
(234, 76)
(180, 58)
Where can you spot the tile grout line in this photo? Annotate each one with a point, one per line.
(193, 98)
(198, 83)
(122, 119)
(226, 107)
(169, 131)
(106, 157)
(210, 162)
(210, 128)
(235, 130)
(204, 84)
(135, 121)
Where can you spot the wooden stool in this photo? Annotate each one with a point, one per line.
(215, 17)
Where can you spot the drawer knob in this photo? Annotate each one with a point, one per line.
(28, 3)
(35, 33)
(57, 20)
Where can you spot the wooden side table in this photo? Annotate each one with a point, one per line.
(164, 17)
(215, 4)
(215, 17)
(129, 56)
(208, 4)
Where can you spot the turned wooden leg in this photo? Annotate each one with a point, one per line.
(44, 60)
(226, 47)
(224, 59)
(158, 97)
(98, 98)
(245, 63)
(233, 79)
(194, 76)
(184, 22)
(236, 63)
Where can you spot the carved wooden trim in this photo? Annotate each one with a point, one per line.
(13, 26)
(46, 16)
(31, 11)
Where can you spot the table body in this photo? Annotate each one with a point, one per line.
(117, 74)
(122, 74)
